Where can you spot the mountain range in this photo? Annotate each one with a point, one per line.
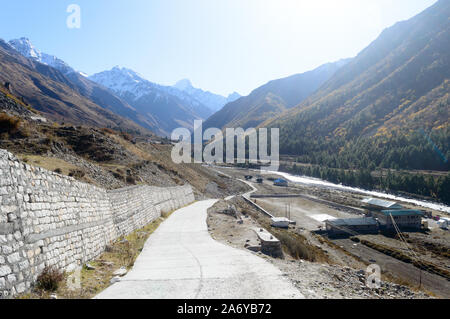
(155, 107)
(169, 107)
(68, 98)
(214, 101)
(376, 108)
(28, 50)
(388, 106)
(272, 99)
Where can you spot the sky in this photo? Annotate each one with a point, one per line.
(220, 45)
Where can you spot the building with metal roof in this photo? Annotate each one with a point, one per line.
(379, 204)
(352, 226)
(406, 219)
(403, 212)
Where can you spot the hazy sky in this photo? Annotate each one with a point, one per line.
(221, 45)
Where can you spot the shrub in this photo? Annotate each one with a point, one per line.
(107, 130)
(77, 173)
(118, 175)
(131, 180)
(126, 136)
(49, 279)
(9, 124)
(58, 171)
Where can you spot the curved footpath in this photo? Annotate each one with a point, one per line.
(181, 261)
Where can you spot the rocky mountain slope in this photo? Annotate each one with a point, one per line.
(153, 104)
(377, 108)
(167, 107)
(62, 97)
(100, 156)
(89, 89)
(272, 99)
(28, 50)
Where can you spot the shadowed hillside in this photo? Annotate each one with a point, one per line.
(272, 99)
(379, 109)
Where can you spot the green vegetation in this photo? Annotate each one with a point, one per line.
(387, 109)
(417, 184)
(402, 150)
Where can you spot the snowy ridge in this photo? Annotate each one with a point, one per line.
(125, 81)
(27, 49)
(214, 101)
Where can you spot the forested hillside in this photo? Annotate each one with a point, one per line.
(272, 99)
(388, 107)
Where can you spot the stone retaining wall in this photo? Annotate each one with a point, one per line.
(47, 219)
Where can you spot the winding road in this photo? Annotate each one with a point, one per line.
(181, 261)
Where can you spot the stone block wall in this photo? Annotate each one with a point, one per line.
(47, 219)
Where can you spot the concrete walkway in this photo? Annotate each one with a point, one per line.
(182, 261)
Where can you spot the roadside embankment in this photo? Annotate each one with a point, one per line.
(50, 220)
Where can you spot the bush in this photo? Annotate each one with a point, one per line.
(126, 136)
(49, 279)
(118, 175)
(77, 174)
(131, 180)
(58, 171)
(9, 124)
(107, 130)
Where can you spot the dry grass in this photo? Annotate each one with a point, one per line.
(49, 163)
(17, 100)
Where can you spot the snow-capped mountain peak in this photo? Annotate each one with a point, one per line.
(183, 85)
(28, 50)
(123, 80)
(233, 97)
(214, 101)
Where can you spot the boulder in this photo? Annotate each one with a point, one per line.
(120, 272)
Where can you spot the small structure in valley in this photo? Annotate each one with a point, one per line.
(270, 245)
(280, 182)
(405, 219)
(386, 213)
(351, 226)
(280, 222)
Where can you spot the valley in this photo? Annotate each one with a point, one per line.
(309, 206)
(89, 181)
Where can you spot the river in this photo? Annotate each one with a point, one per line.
(319, 182)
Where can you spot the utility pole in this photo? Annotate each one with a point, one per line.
(420, 280)
(289, 210)
(285, 210)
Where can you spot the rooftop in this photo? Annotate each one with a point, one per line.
(382, 203)
(403, 212)
(369, 221)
